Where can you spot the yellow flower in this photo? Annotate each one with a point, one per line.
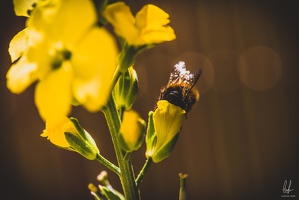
(150, 26)
(68, 134)
(22, 8)
(164, 126)
(55, 132)
(67, 53)
(132, 130)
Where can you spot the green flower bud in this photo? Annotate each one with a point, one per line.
(164, 125)
(105, 191)
(82, 142)
(110, 193)
(69, 134)
(183, 190)
(106, 188)
(132, 131)
(126, 89)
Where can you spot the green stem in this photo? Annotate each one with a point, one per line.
(127, 177)
(108, 164)
(183, 192)
(143, 171)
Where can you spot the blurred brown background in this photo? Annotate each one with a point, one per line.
(239, 142)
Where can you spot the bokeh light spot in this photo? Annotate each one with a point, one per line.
(226, 63)
(262, 68)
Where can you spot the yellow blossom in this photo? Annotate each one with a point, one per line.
(70, 57)
(150, 25)
(68, 134)
(132, 130)
(55, 132)
(164, 126)
(22, 8)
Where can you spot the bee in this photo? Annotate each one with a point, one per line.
(180, 89)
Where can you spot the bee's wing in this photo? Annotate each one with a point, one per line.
(195, 78)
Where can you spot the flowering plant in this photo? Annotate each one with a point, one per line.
(67, 50)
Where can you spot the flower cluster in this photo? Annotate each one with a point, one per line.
(67, 52)
(73, 59)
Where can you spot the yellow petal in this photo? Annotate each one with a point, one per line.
(152, 22)
(54, 131)
(92, 93)
(21, 7)
(22, 41)
(21, 75)
(151, 17)
(18, 45)
(96, 53)
(149, 26)
(39, 53)
(120, 16)
(53, 94)
(168, 120)
(157, 36)
(132, 129)
(64, 19)
(33, 63)
(94, 70)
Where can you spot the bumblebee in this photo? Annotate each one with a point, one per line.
(180, 89)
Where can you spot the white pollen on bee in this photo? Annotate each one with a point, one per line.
(180, 74)
(181, 67)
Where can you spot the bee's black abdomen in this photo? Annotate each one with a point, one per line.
(174, 96)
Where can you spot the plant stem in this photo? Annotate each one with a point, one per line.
(143, 171)
(183, 192)
(127, 177)
(108, 164)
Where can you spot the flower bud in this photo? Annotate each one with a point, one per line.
(164, 125)
(126, 89)
(106, 188)
(111, 193)
(132, 131)
(69, 134)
